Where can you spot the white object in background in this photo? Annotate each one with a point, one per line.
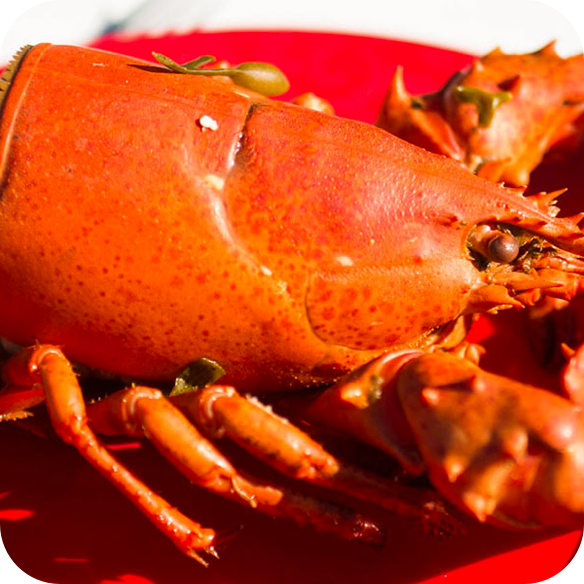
(474, 26)
(58, 21)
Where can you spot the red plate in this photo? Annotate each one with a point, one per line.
(62, 523)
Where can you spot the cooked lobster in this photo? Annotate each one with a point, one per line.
(150, 219)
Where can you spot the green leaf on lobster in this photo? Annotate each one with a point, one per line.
(263, 78)
(201, 373)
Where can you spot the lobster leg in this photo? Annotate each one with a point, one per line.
(144, 411)
(46, 366)
(15, 402)
(220, 410)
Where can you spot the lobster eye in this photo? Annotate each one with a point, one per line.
(502, 248)
(494, 243)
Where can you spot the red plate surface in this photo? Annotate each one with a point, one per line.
(63, 523)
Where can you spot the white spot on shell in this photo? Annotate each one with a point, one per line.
(208, 123)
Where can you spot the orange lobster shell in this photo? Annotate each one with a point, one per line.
(270, 244)
(149, 219)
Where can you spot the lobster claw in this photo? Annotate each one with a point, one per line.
(422, 125)
(499, 116)
(506, 452)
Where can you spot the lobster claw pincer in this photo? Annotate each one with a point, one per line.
(506, 452)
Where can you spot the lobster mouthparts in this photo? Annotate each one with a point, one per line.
(523, 259)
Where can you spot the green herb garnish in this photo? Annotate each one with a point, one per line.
(263, 78)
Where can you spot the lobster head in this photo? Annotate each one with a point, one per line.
(418, 241)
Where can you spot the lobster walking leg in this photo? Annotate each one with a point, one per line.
(140, 411)
(144, 411)
(14, 402)
(221, 410)
(47, 366)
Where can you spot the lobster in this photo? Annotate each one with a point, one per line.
(152, 221)
(500, 116)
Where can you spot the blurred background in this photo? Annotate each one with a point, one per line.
(473, 26)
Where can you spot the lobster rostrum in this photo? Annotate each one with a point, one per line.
(499, 116)
(150, 219)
